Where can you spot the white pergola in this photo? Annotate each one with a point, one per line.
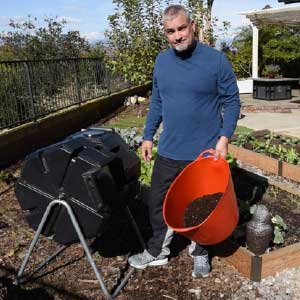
(286, 16)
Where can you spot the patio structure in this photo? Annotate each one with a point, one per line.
(286, 16)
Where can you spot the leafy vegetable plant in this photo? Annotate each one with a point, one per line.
(279, 229)
(273, 145)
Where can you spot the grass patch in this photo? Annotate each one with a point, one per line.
(135, 121)
(128, 122)
(242, 130)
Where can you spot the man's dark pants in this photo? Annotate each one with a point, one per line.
(165, 171)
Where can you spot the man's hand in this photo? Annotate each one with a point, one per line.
(222, 147)
(146, 149)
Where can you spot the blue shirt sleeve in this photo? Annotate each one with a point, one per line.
(229, 97)
(154, 116)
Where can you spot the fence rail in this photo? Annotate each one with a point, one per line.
(30, 90)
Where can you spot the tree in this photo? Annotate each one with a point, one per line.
(278, 45)
(97, 51)
(240, 52)
(201, 14)
(27, 41)
(135, 38)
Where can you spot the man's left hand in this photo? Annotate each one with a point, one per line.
(222, 147)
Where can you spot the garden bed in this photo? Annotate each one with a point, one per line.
(270, 152)
(252, 189)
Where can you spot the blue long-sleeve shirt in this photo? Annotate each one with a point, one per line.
(196, 97)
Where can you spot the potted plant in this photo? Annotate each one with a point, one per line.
(271, 71)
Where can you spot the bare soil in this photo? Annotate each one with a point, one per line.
(70, 277)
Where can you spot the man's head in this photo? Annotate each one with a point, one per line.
(179, 29)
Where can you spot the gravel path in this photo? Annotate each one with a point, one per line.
(283, 286)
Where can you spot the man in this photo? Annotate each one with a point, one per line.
(196, 97)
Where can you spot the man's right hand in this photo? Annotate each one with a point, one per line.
(146, 149)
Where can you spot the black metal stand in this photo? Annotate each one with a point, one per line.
(23, 278)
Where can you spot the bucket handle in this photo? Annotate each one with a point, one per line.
(210, 152)
(202, 155)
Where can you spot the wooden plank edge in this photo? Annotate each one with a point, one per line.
(280, 259)
(259, 267)
(266, 163)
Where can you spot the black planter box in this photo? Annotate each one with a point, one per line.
(273, 89)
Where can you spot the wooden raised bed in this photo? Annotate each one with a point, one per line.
(258, 267)
(249, 265)
(266, 163)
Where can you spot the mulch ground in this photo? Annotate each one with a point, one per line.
(70, 276)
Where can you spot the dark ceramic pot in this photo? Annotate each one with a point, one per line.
(259, 231)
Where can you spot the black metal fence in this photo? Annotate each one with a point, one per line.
(32, 89)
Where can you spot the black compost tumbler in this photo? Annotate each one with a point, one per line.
(92, 170)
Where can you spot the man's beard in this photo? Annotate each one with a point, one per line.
(183, 47)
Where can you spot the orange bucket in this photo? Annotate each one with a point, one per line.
(204, 176)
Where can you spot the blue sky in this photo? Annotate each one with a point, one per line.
(90, 16)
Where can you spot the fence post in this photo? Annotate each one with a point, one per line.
(107, 78)
(29, 85)
(77, 82)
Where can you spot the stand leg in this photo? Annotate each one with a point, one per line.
(123, 282)
(34, 241)
(21, 278)
(80, 236)
(86, 248)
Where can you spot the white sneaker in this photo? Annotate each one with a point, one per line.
(201, 266)
(145, 259)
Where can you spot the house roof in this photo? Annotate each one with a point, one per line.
(277, 16)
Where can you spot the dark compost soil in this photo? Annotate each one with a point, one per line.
(199, 209)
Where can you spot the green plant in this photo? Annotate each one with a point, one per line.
(273, 191)
(283, 151)
(6, 177)
(271, 71)
(258, 146)
(231, 160)
(242, 130)
(292, 156)
(132, 137)
(295, 200)
(279, 229)
(147, 167)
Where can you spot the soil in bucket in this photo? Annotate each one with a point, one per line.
(200, 208)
